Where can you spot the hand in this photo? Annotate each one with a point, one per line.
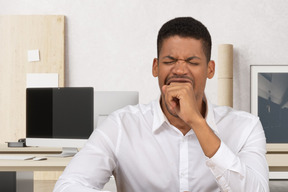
(180, 101)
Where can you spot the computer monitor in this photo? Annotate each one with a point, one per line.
(59, 117)
(105, 102)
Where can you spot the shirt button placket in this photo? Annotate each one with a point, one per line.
(183, 165)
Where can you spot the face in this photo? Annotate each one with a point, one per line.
(183, 60)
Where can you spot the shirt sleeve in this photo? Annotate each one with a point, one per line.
(245, 171)
(91, 168)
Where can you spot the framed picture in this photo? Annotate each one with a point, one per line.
(269, 101)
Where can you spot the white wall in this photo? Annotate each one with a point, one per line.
(110, 44)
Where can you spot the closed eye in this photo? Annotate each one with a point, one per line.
(170, 62)
(191, 63)
(192, 60)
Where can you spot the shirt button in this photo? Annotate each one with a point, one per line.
(209, 163)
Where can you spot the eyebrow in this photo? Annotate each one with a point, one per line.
(193, 57)
(187, 59)
(169, 57)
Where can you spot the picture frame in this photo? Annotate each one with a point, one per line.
(269, 101)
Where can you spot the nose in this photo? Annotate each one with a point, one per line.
(180, 67)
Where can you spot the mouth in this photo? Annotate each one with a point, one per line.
(179, 80)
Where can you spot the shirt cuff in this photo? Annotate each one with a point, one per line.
(224, 159)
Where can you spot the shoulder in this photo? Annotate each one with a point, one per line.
(133, 110)
(131, 114)
(230, 114)
(236, 127)
(122, 119)
(236, 122)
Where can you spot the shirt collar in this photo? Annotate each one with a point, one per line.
(160, 118)
(210, 118)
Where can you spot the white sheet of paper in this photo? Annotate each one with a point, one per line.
(34, 80)
(33, 55)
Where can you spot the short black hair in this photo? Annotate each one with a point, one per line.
(185, 27)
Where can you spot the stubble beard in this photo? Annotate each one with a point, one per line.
(168, 109)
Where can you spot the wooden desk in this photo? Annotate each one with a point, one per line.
(51, 164)
(277, 162)
(25, 168)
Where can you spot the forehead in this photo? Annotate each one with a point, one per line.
(181, 46)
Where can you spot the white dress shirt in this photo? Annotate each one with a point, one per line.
(145, 152)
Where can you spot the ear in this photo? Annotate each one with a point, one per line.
(211, 69)
(155, 67)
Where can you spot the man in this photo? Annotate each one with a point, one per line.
(180, 142)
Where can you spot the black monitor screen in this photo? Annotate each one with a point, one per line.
(59, 112)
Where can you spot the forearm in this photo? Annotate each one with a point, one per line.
(237, 173)
(90, 169)
(72, 187)
(243, 170)
(208, 140)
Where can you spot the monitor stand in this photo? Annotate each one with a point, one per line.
(66, 152)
